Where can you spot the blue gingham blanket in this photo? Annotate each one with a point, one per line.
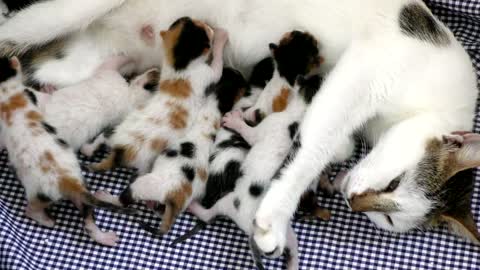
(348, 241)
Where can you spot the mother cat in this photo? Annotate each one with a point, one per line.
(395, 72)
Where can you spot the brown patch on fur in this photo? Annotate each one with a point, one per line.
(34, 116)
(106, 164)
(158, 145)
(178, 117)
(216, 125)
(70, 186)
(170, 39)
(138, 137)
(130, 153)
(240, 94)
(174, 204)
(280, 102)
(176, 88)
(203, 174)
(14, 103)
(155, 121)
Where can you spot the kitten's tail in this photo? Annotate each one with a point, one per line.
(46, 21)
(74, 190)
(113, 160)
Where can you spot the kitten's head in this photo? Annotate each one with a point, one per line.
(296, 54)
(185, 41)
(437, 190)
(143, 86)
(230, 89)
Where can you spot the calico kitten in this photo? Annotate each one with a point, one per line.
(46, 166)
(186, 74)
(179, 174)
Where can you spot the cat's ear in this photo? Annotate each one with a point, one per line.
(15, 64)
(273, 47)
(464, 148)
(462, 224)
(163, 34)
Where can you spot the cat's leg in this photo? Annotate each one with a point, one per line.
(36, 211)
(347, 99)
(48, 20)
(219, 41)
(105, 238)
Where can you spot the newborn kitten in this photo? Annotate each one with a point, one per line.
(186, 74)
(180, 172)
(230, 149)
(46, 166)
(82, 111)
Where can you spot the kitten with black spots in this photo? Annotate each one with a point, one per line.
(179, 174)
(230, 149)
(47, 168)
(80, 112)
(186, 74)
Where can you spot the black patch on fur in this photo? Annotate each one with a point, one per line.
(220, 184)
(235, 141)
(108, 132)
(212, 157)
(171, 153)
(43, 198)
(6, 70)
(309, 87)
(292, 153)
(293, 129)
(236, 203)
(31, 96)
(191, 44)
(118, 158)
(256, 190)
(389, 220)
(417, 22)
(153, 80)
(126, 197)
(262, 73)
(258, 116)
(16, 5)
(228, 89)
(62, 142)
(296, 55)
(50, 129)
(189, 172)
(187, 150)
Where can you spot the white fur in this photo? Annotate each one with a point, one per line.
(82, 111)
(3, 12)
(400, 89)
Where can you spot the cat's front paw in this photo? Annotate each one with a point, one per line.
(269, 234)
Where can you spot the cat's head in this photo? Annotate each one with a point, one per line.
(185, 41)
(296, 54)
(436, 190)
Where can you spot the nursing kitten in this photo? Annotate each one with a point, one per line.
(230, 149)
(147, 132)
(46, 166)
(82, 111)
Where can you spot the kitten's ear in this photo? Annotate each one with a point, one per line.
(273, 47)
(465, 150)
(15, 64)
(163, 34)
(463, 225)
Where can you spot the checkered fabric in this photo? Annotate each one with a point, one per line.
(348, 241)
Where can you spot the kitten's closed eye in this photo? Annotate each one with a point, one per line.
(393, 185)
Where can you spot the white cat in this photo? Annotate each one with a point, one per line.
(395, 71)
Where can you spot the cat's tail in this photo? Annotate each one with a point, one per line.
(49, 20)
(74, 190)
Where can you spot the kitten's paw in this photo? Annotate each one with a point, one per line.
(41, 217)
(110, 239)
(221, 35)
(233, 120)
(87, 150)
